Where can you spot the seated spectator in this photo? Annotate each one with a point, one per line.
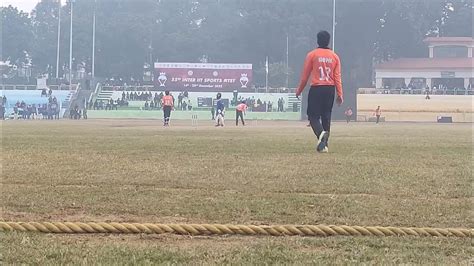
(115, 105)
(71, 113)
(76, 112)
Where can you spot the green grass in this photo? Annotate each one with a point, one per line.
(186, 115)
(137, 171)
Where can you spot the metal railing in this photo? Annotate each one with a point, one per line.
(152, 88)
(454, 91)
(32, 87)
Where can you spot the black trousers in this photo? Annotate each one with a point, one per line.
(320, 104)
(237, 115)
(166, 114)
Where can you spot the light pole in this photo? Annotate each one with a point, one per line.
(59, 38)
(267, 69)
(287, 60)
(70, 48)
(93, 42)
(334, 25)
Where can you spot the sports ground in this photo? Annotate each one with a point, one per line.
(391, 174)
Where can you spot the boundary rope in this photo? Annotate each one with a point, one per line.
(228, 229)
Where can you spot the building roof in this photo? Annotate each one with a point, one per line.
(449, 40)
(427, 63)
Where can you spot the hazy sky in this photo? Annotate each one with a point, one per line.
(25, 5)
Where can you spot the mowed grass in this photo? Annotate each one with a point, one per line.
(136, 171)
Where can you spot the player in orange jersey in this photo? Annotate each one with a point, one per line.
(324, 68)
(167, 103)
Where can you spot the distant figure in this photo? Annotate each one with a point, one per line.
(77, 114)
(2, 111)
(348, 114)
(54, 110)
(190, 106)
(324, 68)
(281, 102)
(240, 112)
(220, 110)
(115, 105)
(378, 113)
(167, 104)
(213, 113)
(180, 100)
(427, 94)
(50, 92)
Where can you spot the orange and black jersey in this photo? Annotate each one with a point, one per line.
(324, 67)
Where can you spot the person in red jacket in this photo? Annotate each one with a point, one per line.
(167, 102)
(240, 111)
(324, 68)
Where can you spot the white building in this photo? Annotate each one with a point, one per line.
(450, 65)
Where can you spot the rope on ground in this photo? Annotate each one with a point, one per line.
(229, 229)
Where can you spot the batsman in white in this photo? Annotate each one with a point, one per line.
(220, 111)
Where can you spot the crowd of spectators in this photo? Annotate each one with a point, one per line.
(118, 81)
(76, 113)
(439, 89)
(108, 104)
(26, 111)
(141, 96)
(45, 93)
(262, 106)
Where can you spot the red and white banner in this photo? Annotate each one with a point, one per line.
(203, 76)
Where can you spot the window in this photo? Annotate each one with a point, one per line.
(450, 52)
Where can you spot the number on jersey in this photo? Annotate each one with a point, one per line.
(324, 73)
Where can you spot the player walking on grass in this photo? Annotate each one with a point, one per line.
(220, 110)
(324, 67)
(378, 113)
(239, 113)
(167, 103)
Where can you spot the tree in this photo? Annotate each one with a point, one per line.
(17, 34)
(277, 74)
(45, 27)
(130, 33)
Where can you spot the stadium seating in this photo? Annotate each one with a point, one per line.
(33, 97)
